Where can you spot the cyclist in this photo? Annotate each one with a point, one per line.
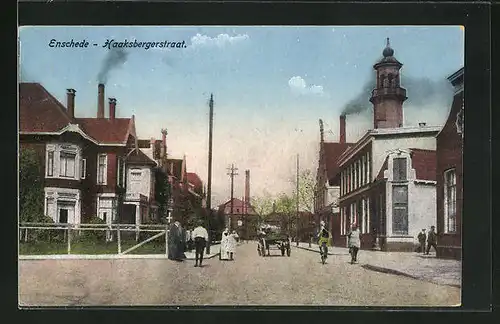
(323, 241)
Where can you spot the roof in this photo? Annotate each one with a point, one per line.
(39, 111)
(146, 144)
(332, 152)
(177, 167)
(422, 161)
(136, 156)
(104, 130)
(194, 179)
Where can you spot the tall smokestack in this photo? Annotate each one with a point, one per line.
(164, 134)
(342, 129)
(112, 108)
(100, 100)
(71, 102)
(247, 190)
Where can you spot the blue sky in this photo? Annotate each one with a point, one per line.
(268, 82)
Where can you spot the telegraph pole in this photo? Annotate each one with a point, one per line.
(298, 216)
(209, 186)
(232, 171)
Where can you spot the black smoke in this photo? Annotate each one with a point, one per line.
(114, 58)
(421, 92)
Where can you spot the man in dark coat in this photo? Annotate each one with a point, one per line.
(176, 242)
(421, 240)
(431, 240)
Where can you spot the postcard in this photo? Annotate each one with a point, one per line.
(240, 165)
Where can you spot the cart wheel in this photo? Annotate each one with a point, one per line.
(288, 251)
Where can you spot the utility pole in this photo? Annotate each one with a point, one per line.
(298, 217)
(232, 171)
(209, 186)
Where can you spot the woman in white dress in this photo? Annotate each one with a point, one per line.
(231, 245)
(224, 255)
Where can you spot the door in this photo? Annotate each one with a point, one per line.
(66, 212)
(105, 215)
(63, 215)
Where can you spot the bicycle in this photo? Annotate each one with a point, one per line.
(323, 252)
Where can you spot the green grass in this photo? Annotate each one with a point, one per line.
(90, 247)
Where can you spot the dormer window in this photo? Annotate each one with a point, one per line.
(399, 169)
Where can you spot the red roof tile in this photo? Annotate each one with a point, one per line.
(424, 163)
(195, 180)
(39, 111)
(105, 130)
(332, 153)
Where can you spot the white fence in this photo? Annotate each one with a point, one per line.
(71, 230)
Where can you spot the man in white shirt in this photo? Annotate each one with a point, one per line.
(200, 237)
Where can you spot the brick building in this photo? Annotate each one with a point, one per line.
(83, 159)
(450, 175)
(327, 191)
(388, 178)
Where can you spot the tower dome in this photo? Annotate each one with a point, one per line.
(388, 51)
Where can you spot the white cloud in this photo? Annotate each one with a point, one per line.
(298, 85)
(220, 41)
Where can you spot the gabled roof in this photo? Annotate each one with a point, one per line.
(39, 111)
(146, 144)
(104, 130)
(195, 180)
(136, 156)
(332, 152)
(422, 161)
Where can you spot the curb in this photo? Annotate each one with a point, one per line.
(404, 274)
(103, 256)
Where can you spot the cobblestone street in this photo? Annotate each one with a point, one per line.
(249, 280)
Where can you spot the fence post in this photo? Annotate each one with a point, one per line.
(118, 238)
(69, 238)
(25, 235)
(166, 239)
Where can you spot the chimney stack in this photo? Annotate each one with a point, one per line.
(112, 108)
(100, 100)
(342, 129)
(247, 190)
(71, 102)
(163, 142)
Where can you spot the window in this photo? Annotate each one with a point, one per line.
(84, 169)
(450, 201)
(101, 169)
(50, 164)
(399, 169)
(67, 165)
(120, 172)
(400, 209)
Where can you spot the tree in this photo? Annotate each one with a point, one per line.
(163, 193)
(31, 194)
(307, 184)
(263, 205)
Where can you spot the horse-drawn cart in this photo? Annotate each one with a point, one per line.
(269, 239)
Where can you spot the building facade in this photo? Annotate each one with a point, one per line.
(450, 175)
(387, 178)
(82, 158)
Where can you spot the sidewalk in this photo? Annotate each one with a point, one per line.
(413, 265)
(214, 251)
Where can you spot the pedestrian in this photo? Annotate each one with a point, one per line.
(354, 243)
(431, 240)
(200, 237)
(176, 242)
(224, 255)
(421, 240)
(231, 245)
